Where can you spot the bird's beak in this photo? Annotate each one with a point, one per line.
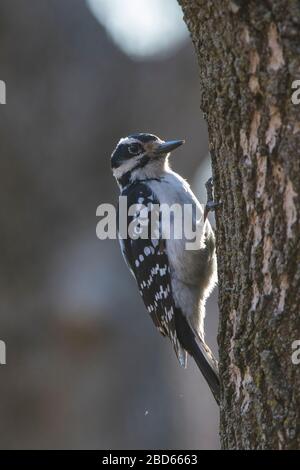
(168, 146)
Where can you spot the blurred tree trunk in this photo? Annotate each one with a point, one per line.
(249, 57)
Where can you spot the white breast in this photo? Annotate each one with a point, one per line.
(191, 270)
(173, 189)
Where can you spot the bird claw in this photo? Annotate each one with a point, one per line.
(211, 205)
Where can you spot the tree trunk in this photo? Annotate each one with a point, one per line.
(249, 57)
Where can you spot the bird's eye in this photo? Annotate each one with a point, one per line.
(134, 149)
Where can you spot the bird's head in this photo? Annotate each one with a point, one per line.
(141, 156)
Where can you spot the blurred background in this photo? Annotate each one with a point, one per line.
(85, 366)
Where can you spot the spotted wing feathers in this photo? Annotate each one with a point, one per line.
(148, 260)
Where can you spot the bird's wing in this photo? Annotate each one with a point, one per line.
(148, 260)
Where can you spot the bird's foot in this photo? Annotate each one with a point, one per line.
(211, 204)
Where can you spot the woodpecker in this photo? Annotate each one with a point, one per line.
(174, 282)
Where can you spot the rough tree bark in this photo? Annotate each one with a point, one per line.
(249, 56)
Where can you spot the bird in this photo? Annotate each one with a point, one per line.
(174, 281)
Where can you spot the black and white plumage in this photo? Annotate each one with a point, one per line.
(174, 282)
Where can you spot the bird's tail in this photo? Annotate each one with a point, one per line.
(201, 353)
(208, 366)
